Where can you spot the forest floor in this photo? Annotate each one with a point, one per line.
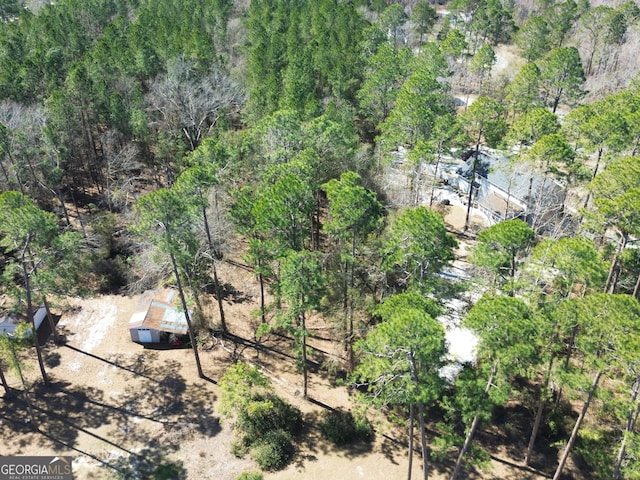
(116, 406)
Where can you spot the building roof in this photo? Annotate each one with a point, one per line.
(518, 179)
(155, 310)
(10, 321)
(496, 203)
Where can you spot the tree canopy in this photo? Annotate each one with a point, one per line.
(292, 144)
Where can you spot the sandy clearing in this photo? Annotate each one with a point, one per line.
(91, 323)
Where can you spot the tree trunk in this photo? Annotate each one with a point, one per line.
(465, 446)
(315, 230)
(17, 173)
(207, 230)
(540, 410)
(350, 301)
(411, 420)
(93, 155)
(576, 428)
(278, 295)
(305, 373)
(506, 208)
(481, 80)
(636, 288)
(216, 282)
(16, 361)
(590, 59)
(472, 181)
(567, 359)
(538, 208)
(262, 312)
(217, 256)
(192, 336)
(423, 429)
(593, 175)
(64, 206)
(52, 323)
(474, 427)
(75, 204)
(572, 342)
(512, 274)
(435, 181)
(350, 353)
(629, 428)
(413, 187)
(345, 305)
(423, 439)
(556, 100)
(196, 300)
(614, 269)
(5, 174)
(30, 316)
(3, 380)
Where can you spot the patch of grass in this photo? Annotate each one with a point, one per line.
(239, 448)
(168, 472)
(250, 476)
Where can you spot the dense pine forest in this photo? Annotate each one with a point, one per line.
(148, 143)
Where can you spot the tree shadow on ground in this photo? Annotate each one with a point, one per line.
(511, 430)
(150, 463)
(270, 343)
(507, 436)
(52, 359)
(233, 295)
(140, 365)
(14, 419)
(280, 345)
(312, 442)
(157, 410)
(521, 472)
(268, 351)
(393, 448)
(505, 441)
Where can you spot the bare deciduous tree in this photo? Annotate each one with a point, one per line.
(28, 158)
(191, 103)
(122, 170)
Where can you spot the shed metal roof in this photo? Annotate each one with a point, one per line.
(155, 311)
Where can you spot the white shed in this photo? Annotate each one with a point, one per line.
(156, 318)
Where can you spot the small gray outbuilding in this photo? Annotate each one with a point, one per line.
(9, 322)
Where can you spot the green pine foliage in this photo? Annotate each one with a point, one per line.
(416, 247)
(328, 67)
(126, 126)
